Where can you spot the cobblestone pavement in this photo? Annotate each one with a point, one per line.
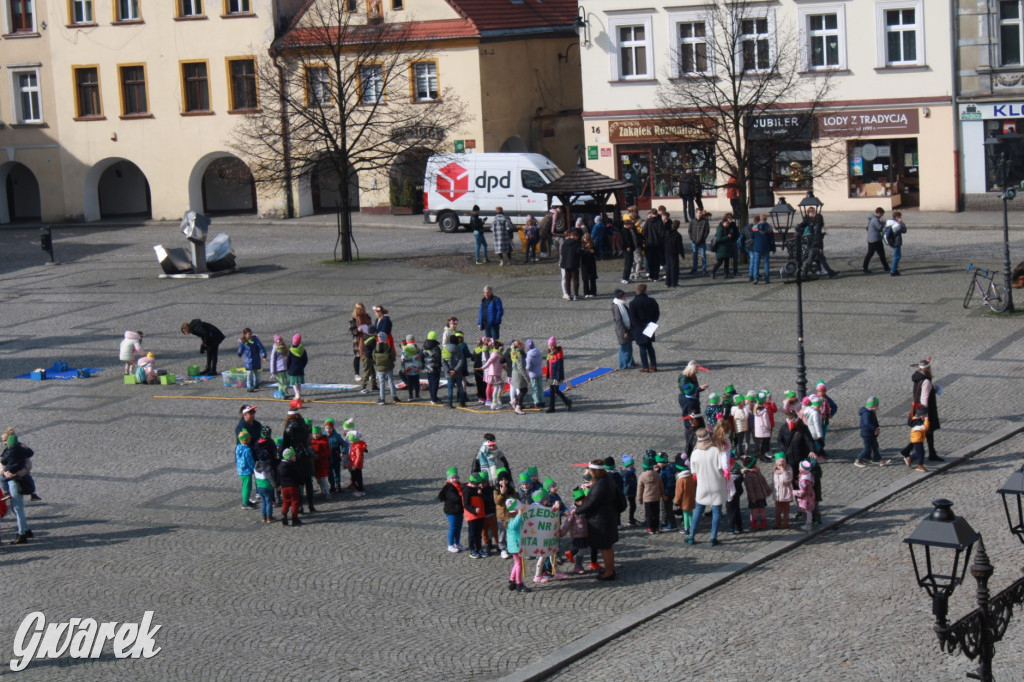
(140, 507)
(845, 606)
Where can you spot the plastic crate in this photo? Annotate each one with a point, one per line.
(166, 379)
(39, 375)
(234, 378)
(129, 380)
(193, 370)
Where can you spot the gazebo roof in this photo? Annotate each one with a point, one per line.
(583, 181)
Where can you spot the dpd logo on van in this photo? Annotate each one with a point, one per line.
(452, 181)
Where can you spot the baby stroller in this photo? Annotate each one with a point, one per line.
(811, 265)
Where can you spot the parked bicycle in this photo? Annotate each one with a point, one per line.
(993, 294)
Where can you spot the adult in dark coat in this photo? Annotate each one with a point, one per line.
(248, 422)
(297, 436)
(569, 262)
(795, 442)
(673, 251)
(642, 311)
(601, 509)
(925, 393)
(211, 338)
(689, 191)
(654, 244)
(629, 242)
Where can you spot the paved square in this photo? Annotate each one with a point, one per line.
(140, 498)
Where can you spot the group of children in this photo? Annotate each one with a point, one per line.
(281, 467)
(493, 506)
(287, 364)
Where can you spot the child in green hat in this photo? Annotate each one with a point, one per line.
(515, 527)
(451, 497)
(244, 465)
(576, 527)
(869, 431)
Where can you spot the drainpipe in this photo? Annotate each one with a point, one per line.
(955, 78)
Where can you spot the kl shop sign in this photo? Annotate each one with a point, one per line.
(868, 122)
(980, 112)
(537, 536)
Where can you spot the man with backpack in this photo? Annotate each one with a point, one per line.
(875, 228)
(893, 236)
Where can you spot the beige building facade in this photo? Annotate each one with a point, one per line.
(511, 67)
(887, 128)
(30, 155)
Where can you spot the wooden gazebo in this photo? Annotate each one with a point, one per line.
(580, 182)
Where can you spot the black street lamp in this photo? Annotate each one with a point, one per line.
(975, 635)
(782, 219)
(998, 148)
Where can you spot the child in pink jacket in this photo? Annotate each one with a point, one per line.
(805, 493)
(762, 427)
(494, 374)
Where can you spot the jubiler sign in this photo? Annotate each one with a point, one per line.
(773, 126)
(870, 122)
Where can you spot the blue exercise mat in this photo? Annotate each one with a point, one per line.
(67, 374)
(582, 379)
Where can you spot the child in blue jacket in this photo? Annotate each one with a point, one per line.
(251, 350)
(244, 465)
(869, 431)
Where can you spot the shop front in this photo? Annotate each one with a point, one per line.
(882, 160)
(979, 121)
(653, 156)
(780, 156)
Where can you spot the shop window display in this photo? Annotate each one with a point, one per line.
(997, 128)
(885, 168)
(654, 170)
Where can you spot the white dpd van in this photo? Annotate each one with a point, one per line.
(454, 183)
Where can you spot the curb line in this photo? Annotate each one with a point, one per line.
(595, 639)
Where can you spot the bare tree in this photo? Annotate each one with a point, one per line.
(335, 95)
(738, 63)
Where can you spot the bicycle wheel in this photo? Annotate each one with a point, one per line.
(970, 292)
(996, 298)
(788, 270)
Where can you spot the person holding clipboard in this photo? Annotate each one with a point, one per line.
(643, 316)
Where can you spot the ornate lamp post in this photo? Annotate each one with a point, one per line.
(782, 220)
(998, 148)
(976, 634)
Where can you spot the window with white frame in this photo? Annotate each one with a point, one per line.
(128, 10)
(81, 12)
(1011, 33)
(238, 7)
(27, 105)
(21, 16)
(755, 44)
(633, 50)
(823, 37)
(823, 31)
(371, 83)
(900, 32)
(631, 53)
(424, 81)
(693, 47)
(318, 86)
(190, 8)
